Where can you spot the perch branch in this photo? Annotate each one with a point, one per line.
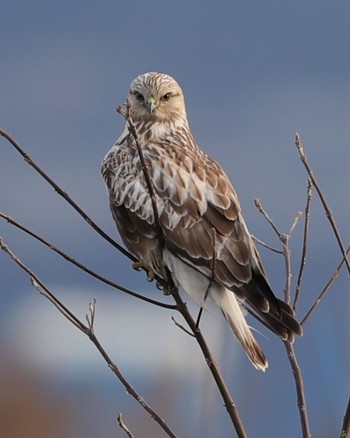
(144, 166)
(182, 308)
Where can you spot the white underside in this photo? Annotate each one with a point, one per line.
(188, 279)
(195, 284)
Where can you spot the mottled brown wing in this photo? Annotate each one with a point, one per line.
(194, 197)
(130, 203)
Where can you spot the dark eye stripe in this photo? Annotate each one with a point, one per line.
(138, 95)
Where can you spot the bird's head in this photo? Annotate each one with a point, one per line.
(156, 97)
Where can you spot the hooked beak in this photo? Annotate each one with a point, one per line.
(151, 104)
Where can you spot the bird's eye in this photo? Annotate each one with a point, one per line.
(138, 96)
(166, 96)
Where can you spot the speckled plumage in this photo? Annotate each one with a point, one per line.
(193, 196)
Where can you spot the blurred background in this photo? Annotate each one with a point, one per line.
(253, 74)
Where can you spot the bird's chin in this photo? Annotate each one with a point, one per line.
(151, 116)
(146, 115)
(143, 114)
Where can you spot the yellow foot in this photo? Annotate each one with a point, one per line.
(141, 265)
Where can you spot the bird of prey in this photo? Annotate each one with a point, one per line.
(193, 197)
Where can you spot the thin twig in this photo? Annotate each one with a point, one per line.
(83, 267)
(43, 290)
(89, 331)
(286, 253)
(124, 426)
(182, 327)
(225, 394)
(295, 222)
(267, 217)
(305, 242)
(346, 422)
(126, 113)
(298, 380)
(70, 201)
(65, 195)
(299, 384)
(328, 211)
(284, 238)
(265, 245)
(334, 276)
(300, 390)
(90, 317)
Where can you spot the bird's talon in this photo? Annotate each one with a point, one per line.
(140, 265)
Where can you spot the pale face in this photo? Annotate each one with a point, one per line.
(156, 97)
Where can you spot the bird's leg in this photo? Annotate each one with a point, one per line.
(213, 231)
(199, 317)
(205, 299)
(142, 265)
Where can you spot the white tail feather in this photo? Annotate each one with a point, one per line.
(195, 284)
(228, 304)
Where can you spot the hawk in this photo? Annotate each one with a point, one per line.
(193, 197)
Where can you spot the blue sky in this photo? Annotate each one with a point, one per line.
(254, 74)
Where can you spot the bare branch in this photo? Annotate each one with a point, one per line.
(225, 394)
(43, 290)
(228, 401)
(89, 331)
(334, 276)
(90, 317)
(267, 217)
(182, 327)
(83, 267)
(124, 426)
(299, 384)
(265, 245)
(126, 114)
(305, 242)
(286, 254)
(284, 238)
(346, 423)
(295, 222)
(65, 195)
(328, 211)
